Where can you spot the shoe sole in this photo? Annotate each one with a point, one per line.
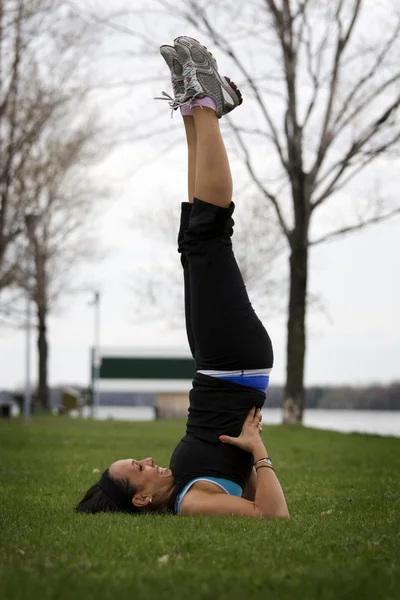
(187, 45)
(170, 56)
(170, 59)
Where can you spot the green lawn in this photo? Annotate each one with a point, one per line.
(342, 541)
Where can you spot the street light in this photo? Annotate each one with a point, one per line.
(95, 359)
(96, 355)
(30, 222)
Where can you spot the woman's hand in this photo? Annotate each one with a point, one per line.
(250, 435)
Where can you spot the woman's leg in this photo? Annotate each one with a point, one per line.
(213, 174)
(228, 334)
(191, 139)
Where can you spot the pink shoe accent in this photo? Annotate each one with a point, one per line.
(186, 112)
(207, 102)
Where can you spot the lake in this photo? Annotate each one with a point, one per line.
(347, 421)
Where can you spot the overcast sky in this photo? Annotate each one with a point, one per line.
(355, 339)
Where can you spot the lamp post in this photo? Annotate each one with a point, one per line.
(28, 344)
(96, 355)
(30, 222)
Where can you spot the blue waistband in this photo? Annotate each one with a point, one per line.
(260, 382)
(255, 378)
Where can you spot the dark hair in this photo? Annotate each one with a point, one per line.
(96, 500)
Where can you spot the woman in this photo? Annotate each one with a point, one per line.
(221, 466)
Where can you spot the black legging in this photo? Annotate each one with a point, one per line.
(223, 330)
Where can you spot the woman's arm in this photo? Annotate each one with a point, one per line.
(269, 498)
(269, 501)
(250, 489)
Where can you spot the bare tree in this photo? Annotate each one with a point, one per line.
(46, 52)
(60, 227)
(11, 18)
(49, 136)
(63, 235)
(323, 81)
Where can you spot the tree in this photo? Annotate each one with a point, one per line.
(49, 135)
(62, 236)
(323, 81)
(41, 49)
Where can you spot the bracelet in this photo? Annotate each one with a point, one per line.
(266, 460)
(265, 465)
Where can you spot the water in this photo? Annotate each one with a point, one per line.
(123, 413)
(378, 422)
(347, 421)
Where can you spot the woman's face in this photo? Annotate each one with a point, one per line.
(150, 481)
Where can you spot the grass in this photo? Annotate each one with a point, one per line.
(342, 541)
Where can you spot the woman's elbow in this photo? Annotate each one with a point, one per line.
(281, 513)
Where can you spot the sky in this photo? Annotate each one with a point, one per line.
(353, 332)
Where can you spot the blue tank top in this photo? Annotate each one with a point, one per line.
(230, 487)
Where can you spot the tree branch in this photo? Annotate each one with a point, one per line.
(366, 78)
(342, 40)
(356, 148)
(366, 101)
(228, 49)
(257, 181)
(345, 230)
(106, 22)
(315, 75)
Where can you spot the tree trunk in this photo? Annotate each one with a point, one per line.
(293, 400)
(42, 393)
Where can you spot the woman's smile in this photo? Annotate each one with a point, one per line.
(149, 463)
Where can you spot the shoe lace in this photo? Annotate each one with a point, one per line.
(175, 104)
(172, 102)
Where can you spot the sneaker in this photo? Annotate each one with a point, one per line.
(201, 77)
(170, 56)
